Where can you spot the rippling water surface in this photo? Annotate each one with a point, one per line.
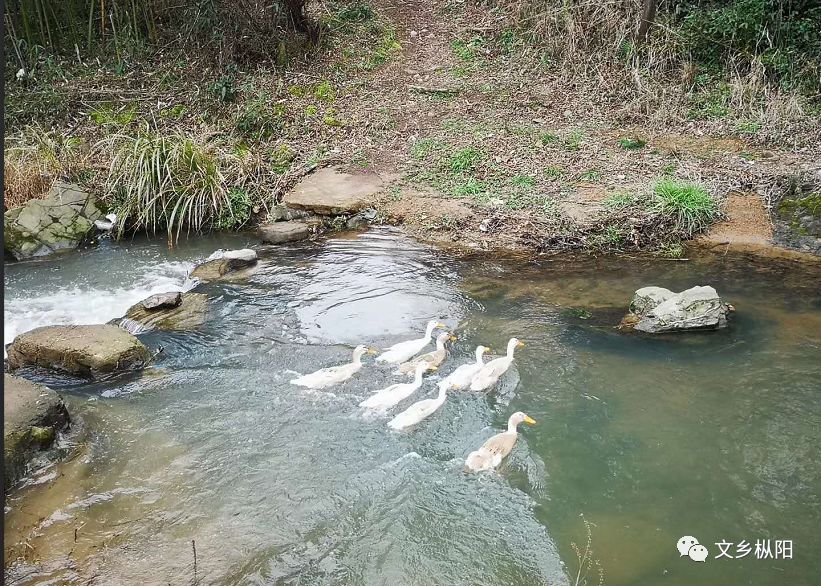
(211, 451)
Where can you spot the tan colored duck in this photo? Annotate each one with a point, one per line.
(494, 450)
(433, 359)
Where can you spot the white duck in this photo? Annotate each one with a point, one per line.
(332, 375)
(494, 450)
(420, 410)
(386, 398)
(489, 374)
(404, 350)
(433, 359)
(461, 377)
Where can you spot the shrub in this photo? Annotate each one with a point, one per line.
(34, 159)
(690, 207)
(169, 181)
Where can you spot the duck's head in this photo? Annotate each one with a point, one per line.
(481, 350)
(520, 417)
(432, 325)
(445, 337)
(513, 344)
(361, 350)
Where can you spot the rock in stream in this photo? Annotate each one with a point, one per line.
(656, 309)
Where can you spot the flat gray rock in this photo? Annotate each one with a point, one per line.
(330, 192)
(162, 300)
(281, 232)
(81, 350)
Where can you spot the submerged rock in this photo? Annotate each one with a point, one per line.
(188, 313)
(32, 415)
(281, 232)
(655, 310)
(331, 192)
(62, 220)
(226, 262)
(88, 351)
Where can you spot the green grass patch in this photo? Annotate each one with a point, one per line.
(467, 50)
(632, 144)
(690, 206)
(464, 160)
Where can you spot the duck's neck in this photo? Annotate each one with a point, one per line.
(357, 358)
(440, 344)
(511, 426)
(479, 352)
(443, 390)
(417, 379)
(429, 331)
(511, 346)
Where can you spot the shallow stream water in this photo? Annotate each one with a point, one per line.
(211, 454)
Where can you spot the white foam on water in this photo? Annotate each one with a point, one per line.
(82, 306)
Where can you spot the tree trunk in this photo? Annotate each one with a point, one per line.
(648, 15)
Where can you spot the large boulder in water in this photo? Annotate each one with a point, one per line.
(655, 310)
(282, 232)
(32, 416)
(57, 222)
(88, 351)
(181, 311)
(223, 263)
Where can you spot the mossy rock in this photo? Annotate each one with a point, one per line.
(32, 416)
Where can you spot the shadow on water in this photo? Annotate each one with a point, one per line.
(713, 434)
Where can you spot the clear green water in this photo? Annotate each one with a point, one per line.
(714, 435)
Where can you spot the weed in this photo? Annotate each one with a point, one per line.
(358, 13)
(281, 158)
(105, 115)
(591, 175)
(225, 87)
(467, 50)
(618, 199)
(748, 126)
(311, 110)
(669, 170)
(258, 119)
(523, 181)
(553, 172)
(422, 148)
(330, 118)
(34, 159)
(547, 138)
(670, 250)
(395, 193)
(386, 46)
(324, 92)
(573, 142)
(175, 112)
(631, 144)
(585, 559)
(691, 207)
(464, 160)
(237, 212)
(469, 187)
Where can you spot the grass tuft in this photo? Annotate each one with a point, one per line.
(690, 206)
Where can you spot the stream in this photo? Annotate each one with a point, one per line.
(210, 468)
